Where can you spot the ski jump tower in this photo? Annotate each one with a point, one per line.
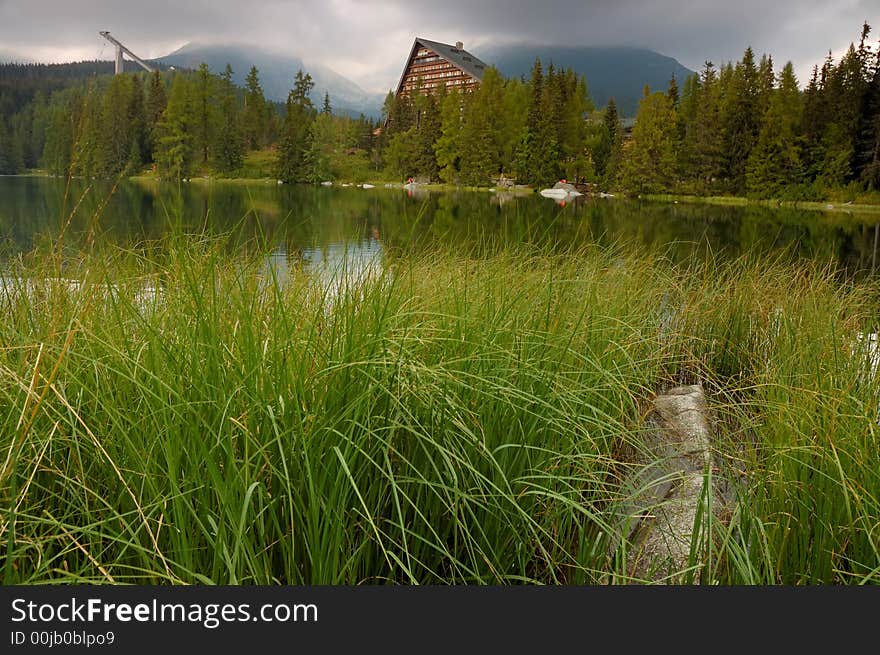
(119, 50)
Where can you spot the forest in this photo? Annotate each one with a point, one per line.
(741, 128)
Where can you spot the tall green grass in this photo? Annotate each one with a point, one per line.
(183, 416)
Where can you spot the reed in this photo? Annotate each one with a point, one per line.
(181, 414)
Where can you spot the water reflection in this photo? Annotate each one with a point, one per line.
(321, 227)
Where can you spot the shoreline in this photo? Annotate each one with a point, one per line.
(849, 207)
(741, 201)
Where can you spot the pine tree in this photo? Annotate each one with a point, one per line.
(60, 133)
(115, 127)
(86, 155)
(175, 145)
(479, 161)
(137, 121)
(8, 165)
(428, 131)
(291, 166)
(844, 88)
(203, 108)
(649, 163)
(609, 143)
(775, 161)
(766, 83)
(538, 153)
(447, 146)
(157, 100)
(256, 112)
(326, 109)
(704, 139)
(229, 147)
(322, 140)
(672, 92)
(814, 122)
(740, 120)
(868, 147)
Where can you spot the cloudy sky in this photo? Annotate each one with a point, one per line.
(367, 41)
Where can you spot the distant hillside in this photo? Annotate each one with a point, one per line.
(19, 83)
(276, 75)
(619, 72)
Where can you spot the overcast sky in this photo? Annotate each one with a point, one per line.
(368, 41)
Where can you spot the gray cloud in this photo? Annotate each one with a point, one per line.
(367, 41)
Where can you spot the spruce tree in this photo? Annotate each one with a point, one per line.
(447, 146)
(429, 129)
(740, 120)
(649, 164)
(256, 112)
(291, 164)
(7, 163)
(115, 126)
(672, 91)
(204, 112)
(775, 162)
(157, 100)
(868, 146)
(704, 140)
(229, 145)
(175, 144)
(479, 161)
(137, 121)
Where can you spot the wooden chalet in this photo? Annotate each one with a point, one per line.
(431, 64)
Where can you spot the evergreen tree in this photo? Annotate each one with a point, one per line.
(740, 119)
(609, 143)
(672, 92)
(428, 131)
(814, 121)
(868, 150)
(766, 83)
(538, 155)
(300, 113)
(203, 108)
(139, 151)
(844, 88)
(60, 135)
(775, 161)
(175, 146)
(322, 141)
(156, 102)
(8, 163)
(649, 163)
(479, 159)
(86, 156)
(115, 127)
(326, 109)
(447, 147)
(256, 112)
(229, 147)
(704, 140)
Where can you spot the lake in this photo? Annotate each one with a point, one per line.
(317, 225)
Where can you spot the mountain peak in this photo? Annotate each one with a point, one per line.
(611, 71)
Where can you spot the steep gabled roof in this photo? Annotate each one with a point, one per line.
(467, 62)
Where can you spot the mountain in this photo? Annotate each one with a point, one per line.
(276, 75)
(618, 71)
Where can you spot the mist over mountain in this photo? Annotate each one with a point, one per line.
(277, 73)
(620, 72)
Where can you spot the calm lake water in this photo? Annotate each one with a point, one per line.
(318, 226)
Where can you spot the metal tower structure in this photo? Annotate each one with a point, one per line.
(119, 50)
